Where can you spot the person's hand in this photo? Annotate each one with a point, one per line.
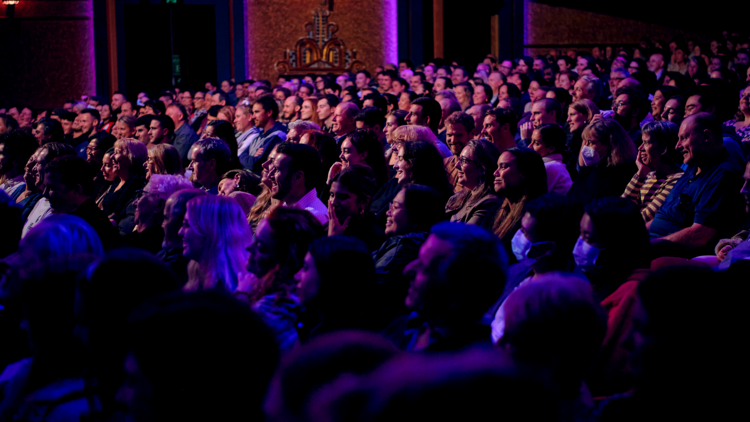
(526, 130)
(335, 169)
(643, 169)
(723, 252)
(335, 228)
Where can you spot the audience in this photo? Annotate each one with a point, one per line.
(322, 212)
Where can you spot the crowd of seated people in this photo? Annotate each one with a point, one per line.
(519, 236)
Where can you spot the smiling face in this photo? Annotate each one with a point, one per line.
(262, 251)
(403, 168)
(397, 217)
(470, 171)
(391, 123)
(456, 137)
(350, 156)
(649, 152)
(538, 145)
(192, 242)
(344, 202)
(691, 143)
(507, 175)
(324, 110)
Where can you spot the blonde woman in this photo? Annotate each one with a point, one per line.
(124, 127)
(127, 164)
(580, 114)
(409, 133)
(215, 236)
(606, 161)
(163, 159)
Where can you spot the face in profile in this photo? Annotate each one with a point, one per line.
(262, 251)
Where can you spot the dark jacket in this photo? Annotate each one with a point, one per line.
(594, 182)
(99, 221)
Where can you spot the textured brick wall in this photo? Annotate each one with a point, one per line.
(368, 26)
(47, 52)
(550, 25)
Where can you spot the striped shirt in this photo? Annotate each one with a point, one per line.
(650, 192)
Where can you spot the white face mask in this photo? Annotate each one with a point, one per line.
(584, 254)
(521, 247)
(590, 156)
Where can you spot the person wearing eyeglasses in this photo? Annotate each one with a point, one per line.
(475, 167)
(630, 108)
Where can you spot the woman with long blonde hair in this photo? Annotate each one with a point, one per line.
(214, 237)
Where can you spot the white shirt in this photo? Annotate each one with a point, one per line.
(558, 177)
(41, 211)
(10, 185)
(315, 206)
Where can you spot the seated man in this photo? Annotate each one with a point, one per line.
(294, 174)
(704, 204)
(210, 158)
(445, 314)
(459, 130)
(69, 184)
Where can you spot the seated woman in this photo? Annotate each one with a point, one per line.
(163, 159)
(411, 214)
(418, 162)
(348, 206)
(331, 297)
(410, 133)
(658, 168)
(214, 237)
(264, 201)
(362, 147)
(124, 127)
(149, 212)
(476, 167)
(171, 247)
(519, 178)
(225, 131)
(109, 177)
(31, 194)
(326, 145)
(580, 114)
(276, 253)
(607, 162)
(549, 140)
(128, 160)
(396, 118)
(741, 121)
(240, 181)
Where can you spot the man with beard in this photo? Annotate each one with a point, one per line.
(295, 172)
(459, 130)
(292, 106)
(630, 107)
(88, 120)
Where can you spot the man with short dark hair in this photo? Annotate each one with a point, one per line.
(344, 120)
(362, 80)
(425, 112)
(444, 315)
(161, 130)
(227, 87)
(459, 130)
(499, 127)
(265, 113)
(459, 75)
(142, 127)
(210, 158)
(47, 130)
(294, 174)
(68, 186)
(326, 106)
(184, 135)
(705, 204)
(118, 99)
(88, 120)
(372, 118)
(544, 111)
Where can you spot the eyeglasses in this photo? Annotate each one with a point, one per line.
(464, 160)
(619, 104)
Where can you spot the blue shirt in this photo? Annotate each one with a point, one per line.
(257, 152)
(184, 138)
(711, 198)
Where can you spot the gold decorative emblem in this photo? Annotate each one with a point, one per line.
(321, 51)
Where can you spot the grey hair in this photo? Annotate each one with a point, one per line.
(303, 125)
(593, 86)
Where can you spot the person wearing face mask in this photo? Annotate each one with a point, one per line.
(542, 245)
(607, 161)
(580, 114)
(613, 246)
